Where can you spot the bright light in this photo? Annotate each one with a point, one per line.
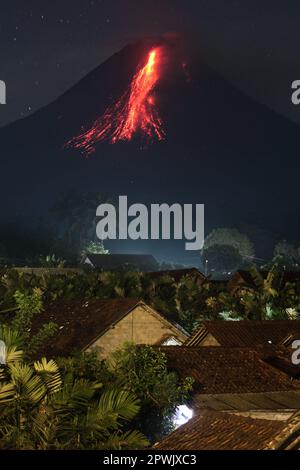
(3, 353)
(134, 112)
(171, 341)
(182, 415)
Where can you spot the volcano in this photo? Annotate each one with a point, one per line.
(220, 147)
(135, 112)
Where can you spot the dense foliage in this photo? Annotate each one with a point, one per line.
(188, 302)
(225, 250)
(83, 402)
(143, 372)
(41, 409)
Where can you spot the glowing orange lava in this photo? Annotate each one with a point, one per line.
(134, 112)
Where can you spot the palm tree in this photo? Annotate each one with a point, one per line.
(257, 300)
(269, 297)
(41, 410)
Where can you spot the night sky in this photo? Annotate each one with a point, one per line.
(46, 47)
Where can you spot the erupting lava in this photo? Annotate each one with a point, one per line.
(134, 112)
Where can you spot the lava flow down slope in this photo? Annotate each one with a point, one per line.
(135, 112)
(158, 125)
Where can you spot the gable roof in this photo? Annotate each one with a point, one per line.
(81, 322)
(227, 370)
(246, 333)
(122, 261)
(212, 430)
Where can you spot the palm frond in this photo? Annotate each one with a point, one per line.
(256, 276)
(7, 392)
(122, 404)
(128, 440)
(49, 373)
(75, 394)
(10, 336)
(29, 386)
(44, 427)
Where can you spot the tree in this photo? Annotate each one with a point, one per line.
(286, 256)
(51, 261)
(143, 371)
(27, 306)
(268, 298)
(222, 258)
(190, 299)
(233, 238)
(164, 295)
(41, 410)
(94, 248)
(76, 213)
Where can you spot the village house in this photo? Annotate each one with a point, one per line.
(211, 430)
(104, 326)
(259, 382)
(121, 262)
(246, 333)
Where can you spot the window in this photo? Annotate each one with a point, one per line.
(171, 341)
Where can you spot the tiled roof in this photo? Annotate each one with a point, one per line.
(119, 261)
(218, 370)
(80, 322)
(211, 430)
(247, 333)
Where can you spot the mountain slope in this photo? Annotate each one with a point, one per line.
(222, 148)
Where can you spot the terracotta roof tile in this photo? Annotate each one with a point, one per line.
(121, 261)
(212, 430)
(80, 322)
(218, 370)
(247, 333)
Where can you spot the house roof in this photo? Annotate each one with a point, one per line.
(236, 378)
(119, 261)
(246, 333)
(81, 322)
(218, 370)
(178, 274)
(212, 430)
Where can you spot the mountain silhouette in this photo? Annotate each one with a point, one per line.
(221, 148)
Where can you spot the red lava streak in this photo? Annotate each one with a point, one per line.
(135, 112)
